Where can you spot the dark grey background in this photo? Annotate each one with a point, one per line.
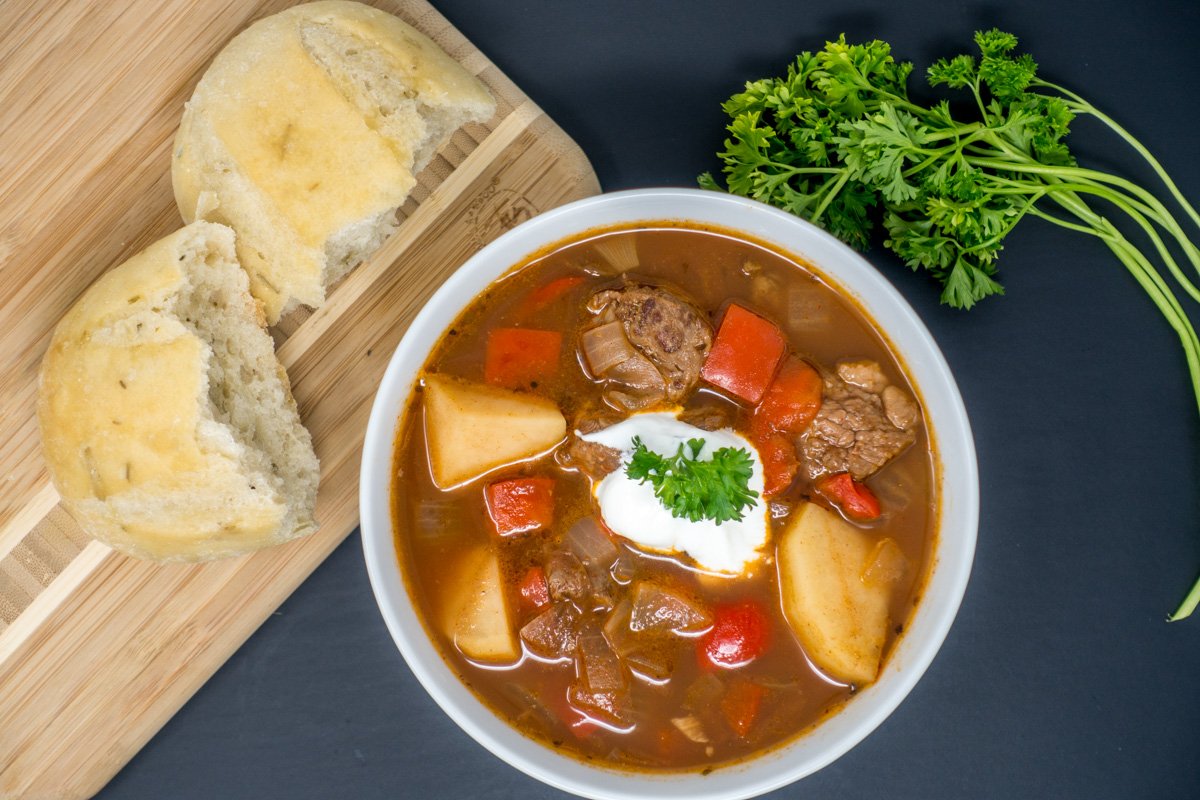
(1060, 677)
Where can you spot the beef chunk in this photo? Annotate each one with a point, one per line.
(864, 423)
(591, 458)
(863, 374)
(566, 577)
(666, 331)
(709, 416)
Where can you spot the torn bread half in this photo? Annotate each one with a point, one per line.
(305, 134)
(168, 425)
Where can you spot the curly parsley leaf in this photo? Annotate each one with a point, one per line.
(838, 141)
(717, 489)
(957, 72)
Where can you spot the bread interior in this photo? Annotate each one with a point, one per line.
(375, 82)
(249, 399)
(365, 76)
(348, 247)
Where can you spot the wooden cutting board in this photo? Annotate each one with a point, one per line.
(98, 650)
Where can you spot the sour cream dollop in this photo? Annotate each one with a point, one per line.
(631, 510)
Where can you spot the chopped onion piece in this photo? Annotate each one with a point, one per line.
(605, 346)
(619, 251)
(623, 569)
(886, 564)
(808, 308)
(690, 727)
(598, 553)
(616, 629)
(653, 662)
(610, 707)
(635, 383)
(658, 609)
(897, 483)
(597, 665)
(638, 372)
(592, 545)
(645, 654)
(530, 704)
(435, 519)
(554, 633)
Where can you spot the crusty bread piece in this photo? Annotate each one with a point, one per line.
(168, 425)
(304, 136)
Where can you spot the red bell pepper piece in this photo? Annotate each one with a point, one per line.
(787, 408)
(546, 294)
(533, 589)
(851, 496)
(792, 399)
(778, 456)
(745, 354)
(520, 504)
(741, 704)
(739, 635)
(519, 357)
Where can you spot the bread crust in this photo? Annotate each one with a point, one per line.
(130, 436)
(286, 142)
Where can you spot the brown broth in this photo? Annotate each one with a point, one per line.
(435, 527)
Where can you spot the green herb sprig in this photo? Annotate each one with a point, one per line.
(838, 141)
(717, 489)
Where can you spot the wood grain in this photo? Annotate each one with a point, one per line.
(98, 650)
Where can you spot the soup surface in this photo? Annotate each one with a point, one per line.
(630, 617)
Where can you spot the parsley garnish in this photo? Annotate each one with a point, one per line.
(838, 141)
(717, 489)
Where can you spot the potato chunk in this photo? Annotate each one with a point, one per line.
(840, 620)
(475, 614)
(472, 428)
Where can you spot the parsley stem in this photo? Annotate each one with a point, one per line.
(934, 155)
(971, 130)
(1028, 165)
(1079, 105)
(1142, 222)
(864, 84)
(1153, 206)
(1161, 293)
(1181, 324)
(974, 85)
(788, 171)
(832, 193)
(1028, 208)
(1167, 223)
(1188, 605)
(1143, 271)
(1062, 223)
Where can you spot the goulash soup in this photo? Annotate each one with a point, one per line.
(664, 498)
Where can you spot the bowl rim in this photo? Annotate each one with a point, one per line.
(905, 333)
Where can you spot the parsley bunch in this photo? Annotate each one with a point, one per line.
(838, 141)
(717, 489)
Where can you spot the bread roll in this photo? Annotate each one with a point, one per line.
(168, 426)
(304, 136)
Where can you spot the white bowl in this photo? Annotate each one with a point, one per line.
(926, 367)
